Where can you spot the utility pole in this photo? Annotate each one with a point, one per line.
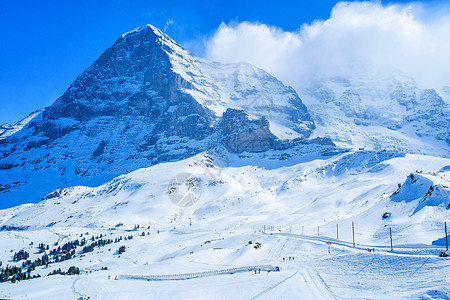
(318, 231)
(302, 230)
(390, 233)
(290, 229)
(264, 228)
(337, 231)
(353, 232)
(446, 240)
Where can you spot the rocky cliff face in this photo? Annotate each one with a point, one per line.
(145, 101)
(242, 134)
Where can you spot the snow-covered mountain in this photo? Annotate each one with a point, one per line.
(157, 162)
(145, 101)
(379, 111)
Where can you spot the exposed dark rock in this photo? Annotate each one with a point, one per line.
(242, 134)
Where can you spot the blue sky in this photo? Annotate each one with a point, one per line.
(45, 45)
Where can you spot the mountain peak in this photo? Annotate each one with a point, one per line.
(140, 29)
(149, 32)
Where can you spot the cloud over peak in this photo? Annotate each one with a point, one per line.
(358, 38)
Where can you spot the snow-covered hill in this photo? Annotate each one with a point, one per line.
(353, 187)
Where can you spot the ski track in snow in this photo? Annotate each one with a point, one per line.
(312, 285)
(370, 262)
(321, 289)
(415, 271)
(74, 290)
(273, 286)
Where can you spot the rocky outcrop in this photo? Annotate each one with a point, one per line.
(240, 133)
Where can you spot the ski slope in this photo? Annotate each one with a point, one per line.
(350, 273)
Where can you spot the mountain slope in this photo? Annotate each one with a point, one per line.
(355, 187)
(381, 112)
(9, 129)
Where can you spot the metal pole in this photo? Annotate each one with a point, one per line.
(446, 240)
(318, 231)
(353, 232)
(337, 231)
(390, 233)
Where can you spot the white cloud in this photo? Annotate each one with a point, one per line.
(358, 36)
(168, 23)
